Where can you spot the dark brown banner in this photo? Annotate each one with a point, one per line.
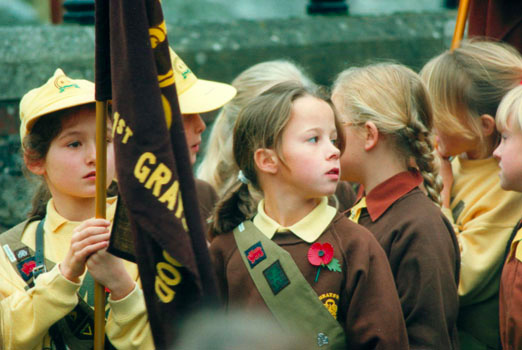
(155, 177)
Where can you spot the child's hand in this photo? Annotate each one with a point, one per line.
(89, 237)
(109, 271)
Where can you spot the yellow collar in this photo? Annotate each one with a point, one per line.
(518, 251)
(54, 222)
(355, 212)
(308, 228)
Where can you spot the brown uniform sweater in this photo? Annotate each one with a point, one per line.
(510, 305)
(424, 257)
(362, 297)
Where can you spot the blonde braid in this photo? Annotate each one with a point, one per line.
(417, 139)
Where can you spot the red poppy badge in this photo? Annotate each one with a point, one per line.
(322, 255)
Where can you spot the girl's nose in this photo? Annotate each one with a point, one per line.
(90, 153)
(333, 151)
(199, 124)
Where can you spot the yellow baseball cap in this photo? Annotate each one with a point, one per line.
(59, 92)
(197, 95)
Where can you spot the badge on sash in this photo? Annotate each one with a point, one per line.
(26, 268)
(22, 254)
(255, 254)
(276, 277)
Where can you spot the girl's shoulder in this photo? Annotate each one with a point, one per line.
(349, 234)
(223, 243)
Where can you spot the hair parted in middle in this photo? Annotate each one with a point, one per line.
(395, 99)
(260, 125)
(510, 110)
(217, 167)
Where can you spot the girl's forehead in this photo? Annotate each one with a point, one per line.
(79, 118)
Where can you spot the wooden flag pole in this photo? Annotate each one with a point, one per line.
(101, 199)
(462, 16)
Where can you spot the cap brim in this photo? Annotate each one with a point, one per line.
(72, 101)
(205, 96)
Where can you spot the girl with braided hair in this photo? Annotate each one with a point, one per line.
(387, 117)
(466, 86)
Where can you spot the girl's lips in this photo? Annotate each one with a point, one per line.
(333, 174)
(92, 174)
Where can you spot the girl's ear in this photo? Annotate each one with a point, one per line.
(488, 124)
(372, 135)
(37, 167)
(266, 160)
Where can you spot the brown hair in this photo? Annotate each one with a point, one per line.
(218, 167)
(469, 82)
(394, 98)
(260, 124)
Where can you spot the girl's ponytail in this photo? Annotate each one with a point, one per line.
(236, 206)
(39, 202)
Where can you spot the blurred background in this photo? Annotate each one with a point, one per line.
(217, 39)
(39, 11)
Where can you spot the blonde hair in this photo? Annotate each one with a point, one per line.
(510, 108)
(469, 82)
(394, 98)
(218, 167)
(260, 124)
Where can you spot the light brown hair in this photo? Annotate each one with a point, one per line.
(469, 82)
(218, 167)
(395, 99)
(260, 124)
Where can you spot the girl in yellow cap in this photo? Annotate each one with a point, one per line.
(49, 263)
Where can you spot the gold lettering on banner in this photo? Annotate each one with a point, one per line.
(167, 276)
(159, 177)
(167, 110)
(157, 34)
(120, 127)
(155, 177)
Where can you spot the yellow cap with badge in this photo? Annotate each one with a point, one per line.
(197, 95)
(59, 92)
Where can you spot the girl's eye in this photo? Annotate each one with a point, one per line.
(503, 136)
(333, 141)
(109, 139)
(313, 139)
(73, 144)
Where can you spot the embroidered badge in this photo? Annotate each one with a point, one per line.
(330, 301)
(322, 255)
(22, 254)
(26, 268)
(255, 254)
(63, 82)
(276, 277)
(322, 339)
(9, 253)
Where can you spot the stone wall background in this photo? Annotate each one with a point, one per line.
(324, 46)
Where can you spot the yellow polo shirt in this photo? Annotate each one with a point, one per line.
(27, 315)
(308, 228)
